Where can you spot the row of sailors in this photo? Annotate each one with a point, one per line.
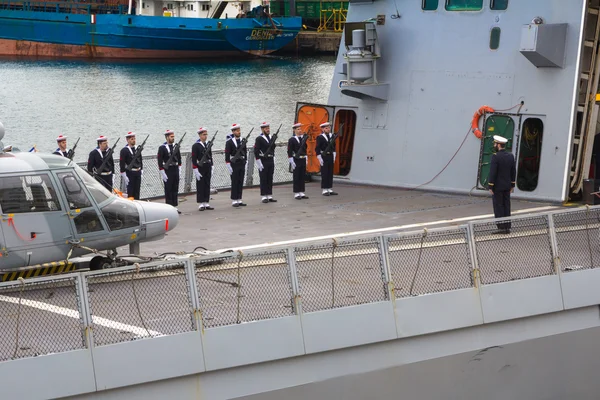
(203, 167)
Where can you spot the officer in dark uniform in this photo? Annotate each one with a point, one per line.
(95, 160)
(170, 173)
(326, 159)
(265, 162)
(237, 168)
(62, 146)
(132, 178)
(202, 173)
(501, 181)
(296, 151)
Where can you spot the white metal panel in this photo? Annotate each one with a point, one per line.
(581, 288)
(522, 298)
(48, 377)
(349, 326)
(252, 342)
(147, 360)
(438, 312)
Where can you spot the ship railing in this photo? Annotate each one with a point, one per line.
(152, 184)
(548, 255)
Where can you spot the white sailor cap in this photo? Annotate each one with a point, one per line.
(296, 125)
(60, 138)
(201, 129)
(500, 139)
(129, 134)
(265, 125)
(235, 126)
(324, 124)
(102, 139)
(169, 132)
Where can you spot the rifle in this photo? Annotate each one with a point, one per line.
(238, 153)
(169, 162)
(137, 155)
(272, 143)
(208, 147)
(71, 152)
(302, 151)
(107, 157)
(331, 144)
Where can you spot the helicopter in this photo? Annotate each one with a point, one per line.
(52, 210)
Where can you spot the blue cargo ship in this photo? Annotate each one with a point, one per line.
(100, 30)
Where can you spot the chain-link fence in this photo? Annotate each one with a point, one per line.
(340, 274)
(244, 287)
(524, 252)
(137, 303)
(152, 185)
(40, 317)
(430, 262)
(578, 239)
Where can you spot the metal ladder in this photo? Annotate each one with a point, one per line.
(587, 115)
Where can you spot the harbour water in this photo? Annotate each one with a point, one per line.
(41, 99)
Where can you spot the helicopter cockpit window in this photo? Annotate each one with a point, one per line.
(76, 196)
(99, 192)
(121, 214)
(29, 193)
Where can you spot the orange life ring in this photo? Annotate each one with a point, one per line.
(475, 120)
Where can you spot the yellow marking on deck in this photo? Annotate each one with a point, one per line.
(38, 270)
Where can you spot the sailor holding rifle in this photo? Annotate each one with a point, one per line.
(202, 166)
(131, 166)
(235, 158)
(169, 165)
(297, 158)
(100, 169)
(62, 146)
(264, 152)
(326, 155)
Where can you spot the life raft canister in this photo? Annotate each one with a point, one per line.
(475, 120)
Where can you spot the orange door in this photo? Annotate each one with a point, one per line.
(312, 115)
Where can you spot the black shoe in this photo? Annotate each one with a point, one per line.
(235, 205)
(272, 201)
(200, 208)
(265, 200)
(209, 208)
(326, 194)
(242, 204)
(304, 197)
(298, 197)
(333, 194)
(498, 232)
(178, 212)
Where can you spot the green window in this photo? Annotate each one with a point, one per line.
(495, 38)
(498, 4)
(429, 5)
(464, 5)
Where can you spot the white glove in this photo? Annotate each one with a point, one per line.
(125, 178)
(180, 170)
(334, 156)
(292, 163)
(259, 165)
(113, 179)
(197, 174)
(141, 172)
(320, 160)
(229, 168)
(212, 169)
(163, 175)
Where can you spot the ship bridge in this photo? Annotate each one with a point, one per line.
(449, 312)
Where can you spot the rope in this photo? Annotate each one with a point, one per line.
(22, 282)
(137, 304)
(239, 285)
(335, 244)
(412, 284)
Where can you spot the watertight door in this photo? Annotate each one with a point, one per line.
(496, 124)
(313, 115)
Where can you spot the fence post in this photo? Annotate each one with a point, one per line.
(85, 310)
(553, 243)
(296, 299)
(187, 186)
(475, 277)
(386, 272)
(190, 272)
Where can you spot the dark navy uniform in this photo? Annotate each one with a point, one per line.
(238, 167)
(134, 174)
(59, 152)
(172, 183)
(95, 160)
(266, 157)
(202, 185)
(501, 181)
(298, 152)
(328, 160)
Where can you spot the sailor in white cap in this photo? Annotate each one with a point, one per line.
(264, 153)
(131, 167)
(170, 173)
(296, 152)
(235, 157)
(104, 175)
(202, 167)
(501, 181)
(326, 155)
(62, 146)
